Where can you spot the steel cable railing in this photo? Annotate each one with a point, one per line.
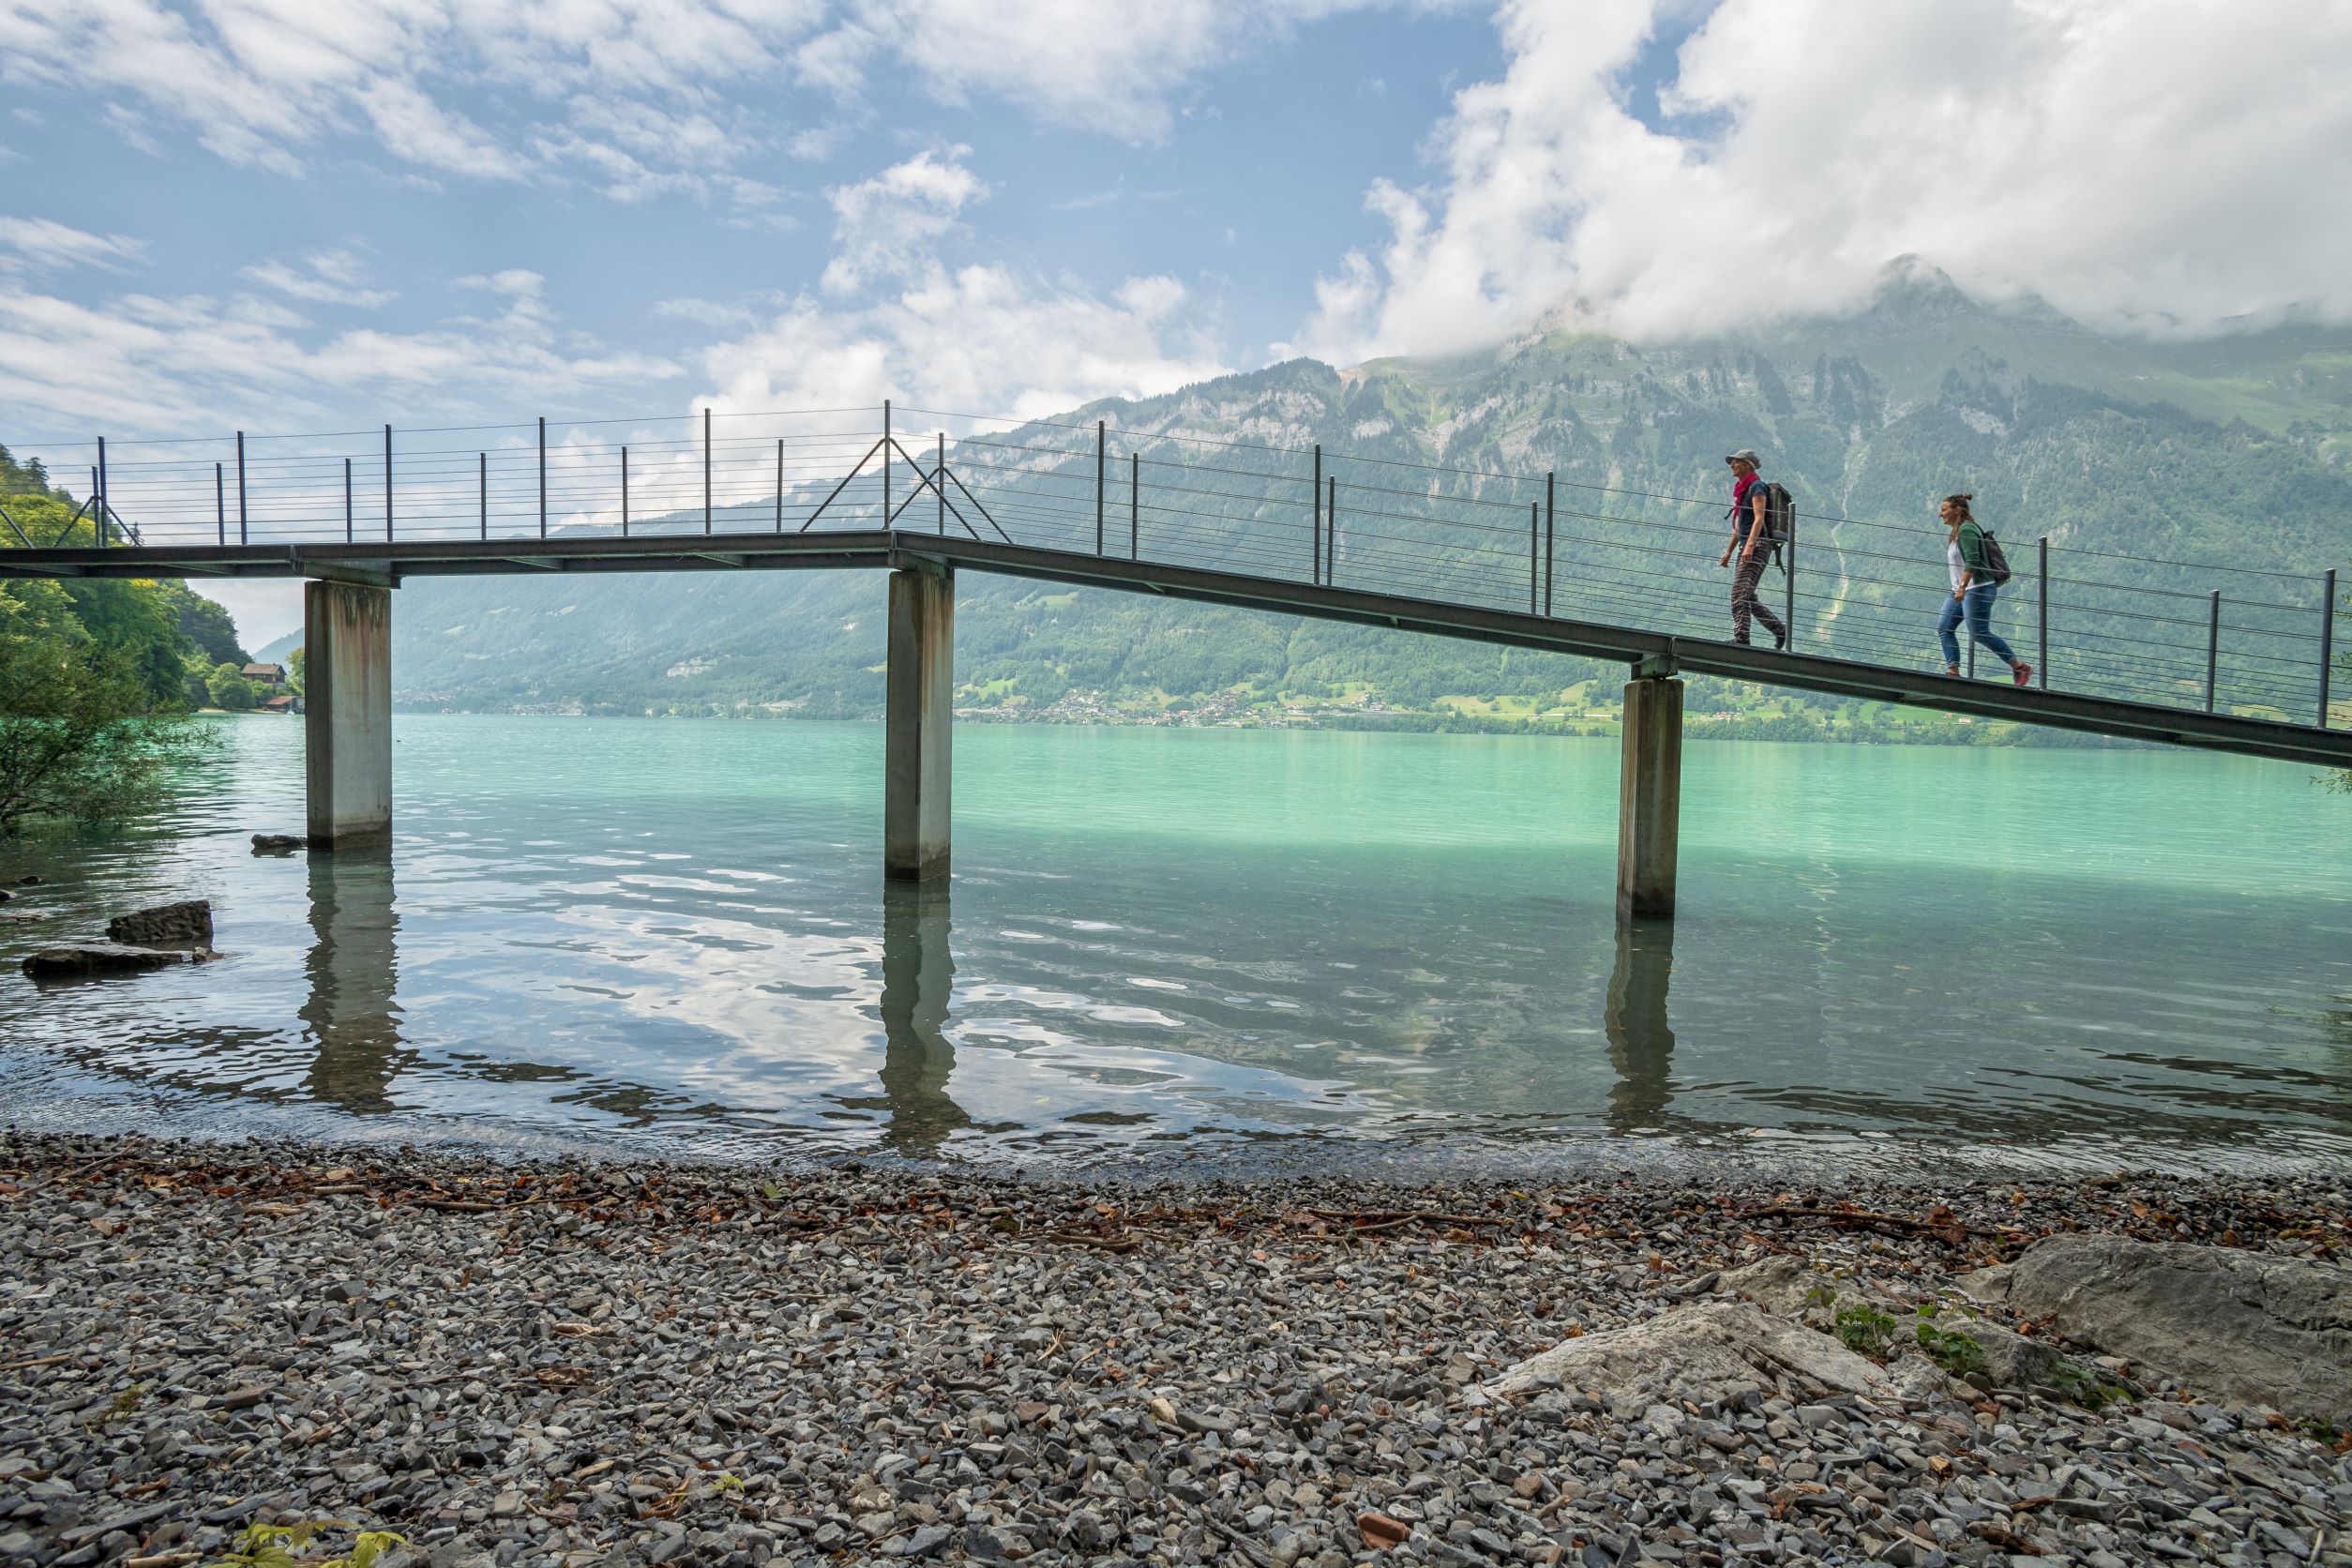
(1500, 540)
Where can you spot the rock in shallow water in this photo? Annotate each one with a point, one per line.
(187, 924)
(2266, 1330)
(279, 843)
(84, 961)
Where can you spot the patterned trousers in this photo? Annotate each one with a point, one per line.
(1744, 602)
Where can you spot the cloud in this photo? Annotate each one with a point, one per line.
(325, 278)
(519, 282)
(415, 127)
(887, 226)
(636, 89)
(45, 243)
(2138, 162)
(900, 319)
(978, 340)
(192, 363)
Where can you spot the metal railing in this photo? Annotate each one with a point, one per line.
(2254, 642)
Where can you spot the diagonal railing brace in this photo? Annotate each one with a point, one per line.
(924, 480)
(843, 485)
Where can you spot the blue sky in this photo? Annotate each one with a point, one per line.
(658, 216)
(320, 215)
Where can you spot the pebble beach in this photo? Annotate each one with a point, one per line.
(580, 1363)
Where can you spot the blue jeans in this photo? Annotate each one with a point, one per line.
(1976, 605)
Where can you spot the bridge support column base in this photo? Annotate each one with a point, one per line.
(1649, 799)
(347, 713)
(916, 773)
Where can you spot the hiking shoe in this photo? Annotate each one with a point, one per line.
(2024, 672)
(1780, 643)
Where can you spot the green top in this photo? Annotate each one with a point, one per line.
(1971, 543)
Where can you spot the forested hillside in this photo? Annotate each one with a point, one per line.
(171, 641)
(2131, 458)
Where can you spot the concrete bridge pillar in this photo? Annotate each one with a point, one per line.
(347, 709)
(1650, 798)
(922, 689)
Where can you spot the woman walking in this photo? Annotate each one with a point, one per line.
(1973, 591)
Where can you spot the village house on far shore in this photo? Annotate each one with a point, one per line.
(277, 697)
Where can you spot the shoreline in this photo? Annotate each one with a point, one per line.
(574, 1361)
(1963, 734)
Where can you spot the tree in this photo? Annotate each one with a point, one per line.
(231, 691)
(297, 668)
(80, 734)
(204, 628)
(138, 618)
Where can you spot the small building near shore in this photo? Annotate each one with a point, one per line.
(284, 702)
(266, 674)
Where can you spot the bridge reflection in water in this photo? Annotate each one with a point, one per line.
(918, 978)
(1641, 1039)
(354, 1012)
(353, 1017)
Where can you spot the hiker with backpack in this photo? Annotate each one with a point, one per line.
(1978, 570)
(1759, 521)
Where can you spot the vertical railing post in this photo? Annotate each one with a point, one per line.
(624, 493)
(2042, 592)
(1789, 579)
(482, 493)
(1135, 507)
(387, 483)
(706, 468)
(1535, 555)
(1098, 486)
(350, 520)
(219, 504)
(885, 451)
(779, 484)
(243, 532)
(99, 485)
(542, 476)
(939, 481)
(2327, 639)
(2212, 648)
(1314, 558)
(1331, 532)
(1551, 517)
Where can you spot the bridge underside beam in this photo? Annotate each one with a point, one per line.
(347, 709)
(918, 712)
(1649, 799)
(893, 550)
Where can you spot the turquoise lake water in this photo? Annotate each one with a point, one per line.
(1200, 945)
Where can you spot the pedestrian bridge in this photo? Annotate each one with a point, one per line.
(2127, 647)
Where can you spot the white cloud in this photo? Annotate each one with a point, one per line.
(520, 281)
(46, 243)
(325, 277)
(415, 127)
(1070, 62)
(2146, 162)
(633, 88)
(190, 363)
(980, 339)
(887, 226)
(903, 322)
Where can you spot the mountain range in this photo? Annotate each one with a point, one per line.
(2132, 455)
